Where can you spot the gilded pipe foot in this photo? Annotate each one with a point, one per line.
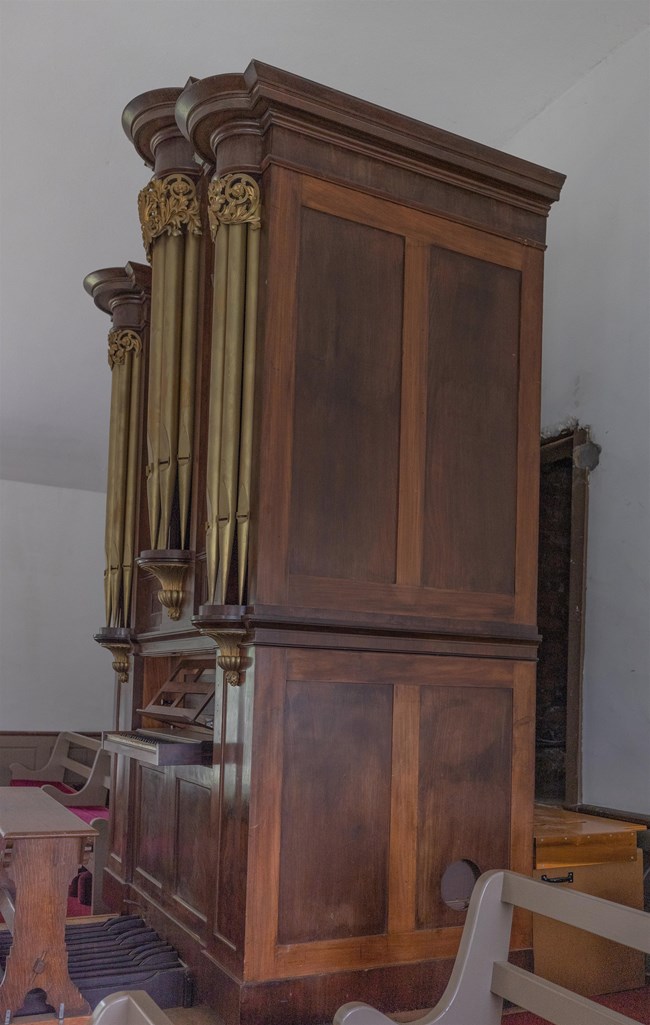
(170, 568)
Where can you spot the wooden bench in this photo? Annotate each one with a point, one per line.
(482, 977)
(45, 840)
(94, 776)
(129, 1008)
(87, 798)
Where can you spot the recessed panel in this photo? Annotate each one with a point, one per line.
(463, 790)
(343, 520)
(335, 811)
(471, 445)
(230, 892)
(152, 826)
(192, 853)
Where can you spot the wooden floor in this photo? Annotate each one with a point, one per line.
(199, 1015)
(206, 1016)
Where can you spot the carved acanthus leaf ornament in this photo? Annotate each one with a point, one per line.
(121, 342)
(167, 205)
(233, 199)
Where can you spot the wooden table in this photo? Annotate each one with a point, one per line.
(45, 839)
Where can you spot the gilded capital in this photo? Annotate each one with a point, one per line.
(167, 205)
(233, 199)
(121, 342)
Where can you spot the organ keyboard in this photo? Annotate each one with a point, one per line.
(161, 747)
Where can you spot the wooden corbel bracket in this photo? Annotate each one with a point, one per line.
(119, 642)
(224, 624)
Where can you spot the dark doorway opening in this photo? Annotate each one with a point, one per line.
(566, 460)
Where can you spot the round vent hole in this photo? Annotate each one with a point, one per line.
(457, 884)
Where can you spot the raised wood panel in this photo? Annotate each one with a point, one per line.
(335, 811)
(471, 461)
(233, 813)
(276, 369)
(347, 400)
(415, 224)
(464, 789)
(266, 773)
(192, 852)
(153, 847)
(300, 725)
(418, 361)
(118, 822)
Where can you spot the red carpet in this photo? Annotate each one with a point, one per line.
(75, 908)
(635, 1003)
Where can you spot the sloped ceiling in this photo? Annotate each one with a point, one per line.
(69, 177)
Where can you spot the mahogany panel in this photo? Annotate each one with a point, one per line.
(233, 813)
(275, 370)
(266, 773)
(417, 225)
(192, 853)
(471, 462)
(530, 374)
(335, 816)
(464, 789)
(347, 400)
(118, 821)
(152, 826)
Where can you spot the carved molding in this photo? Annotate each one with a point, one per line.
(118, 641)
(121, 342)
(120, 664)
(167, 205)
(233, 199)
(230, 658)
(170, 569)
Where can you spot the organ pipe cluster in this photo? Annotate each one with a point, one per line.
(171, 220)
(234, 217)
(171, 226)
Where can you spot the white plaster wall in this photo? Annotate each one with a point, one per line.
(53, 675)
(597, 368)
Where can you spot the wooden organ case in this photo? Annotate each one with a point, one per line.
(324, 475)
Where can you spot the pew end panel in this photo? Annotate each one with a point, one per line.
(94, 775)
(482, 978)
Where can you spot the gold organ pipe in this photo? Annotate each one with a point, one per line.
(123, 382)
(231, 401)
(153, 398)
(216, 406)
(110, 488)
(187, 374)
(134, 362)
(248, 387)
(169, 372)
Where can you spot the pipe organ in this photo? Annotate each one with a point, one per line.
(322, 488)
